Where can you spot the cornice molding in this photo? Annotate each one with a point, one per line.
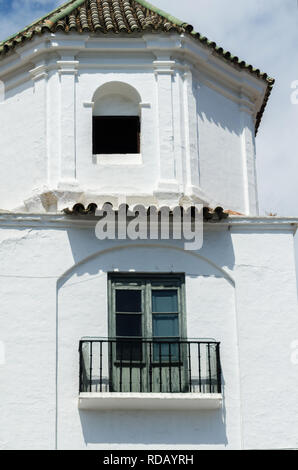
(233, 223)
(177, 48)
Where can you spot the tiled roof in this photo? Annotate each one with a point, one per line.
(122, 16)
(209, 215)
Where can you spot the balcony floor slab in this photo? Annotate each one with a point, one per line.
(149, 401)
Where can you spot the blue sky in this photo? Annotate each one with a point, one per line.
(15, 14)
(262, 32)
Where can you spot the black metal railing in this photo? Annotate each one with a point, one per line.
(149, 365)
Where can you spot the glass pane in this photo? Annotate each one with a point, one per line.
(165, 325)
(162, 352)
(129, 350)
(128, 300)
(128, 325)
(164, 301)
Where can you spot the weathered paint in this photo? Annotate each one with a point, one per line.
(198, 119)
(194, 140)
(240, 290)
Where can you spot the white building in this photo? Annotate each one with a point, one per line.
(109, 99)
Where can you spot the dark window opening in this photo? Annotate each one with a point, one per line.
(116, 134)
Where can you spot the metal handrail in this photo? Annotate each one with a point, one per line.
(163, 365)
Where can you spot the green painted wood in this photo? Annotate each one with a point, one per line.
(174, 376)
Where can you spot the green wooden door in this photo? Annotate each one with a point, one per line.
(146, 324)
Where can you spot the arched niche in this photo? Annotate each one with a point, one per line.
(116, 98)
(116, 119)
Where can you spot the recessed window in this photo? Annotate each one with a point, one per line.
(116, 135)
(116, 120)
(147, 323)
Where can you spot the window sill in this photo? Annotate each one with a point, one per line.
(118, 159)
(149, 401)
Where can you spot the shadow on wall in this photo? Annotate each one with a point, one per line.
(216, 254)
(154, 428)
(18, 90)
(86, 283)
(218, 110)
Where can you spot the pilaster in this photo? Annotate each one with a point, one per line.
(167, 184)
(249, 157)
(191, 135)
(67, 142)
(39, 76)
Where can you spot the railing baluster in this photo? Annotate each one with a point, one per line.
(130, 367)
(170, 367)
(140, 345)
(189, 367)
(121, 353)
(150, 366)
(110, 348)
(90, 368)
(209, 368)
(200, 371)
(81, 369)
(160, 369)
(218, 370)
(100, 365)
(179, 367)
(159, 354)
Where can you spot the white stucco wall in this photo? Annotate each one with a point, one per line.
(240, 290)
(22, 144)
(197, 123)
(267, 327)
(197, 140)
(220, 131)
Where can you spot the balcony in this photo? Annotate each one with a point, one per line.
(163, 374)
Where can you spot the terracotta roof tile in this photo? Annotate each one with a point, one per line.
(122, 16)
(209, 215)
(229, 212)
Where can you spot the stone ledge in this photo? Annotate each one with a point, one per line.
(149, 401)
(52, 220)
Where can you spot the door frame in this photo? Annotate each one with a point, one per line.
(145, 283)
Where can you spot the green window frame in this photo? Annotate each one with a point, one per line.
(149, 311)
(147, 306)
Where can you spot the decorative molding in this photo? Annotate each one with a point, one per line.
(190, 117)
(39, 72)
(164, 66)
(8, 219)
(88, 104)
(226, 77)
(68, 66)
(67, 135)
(164, 86)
